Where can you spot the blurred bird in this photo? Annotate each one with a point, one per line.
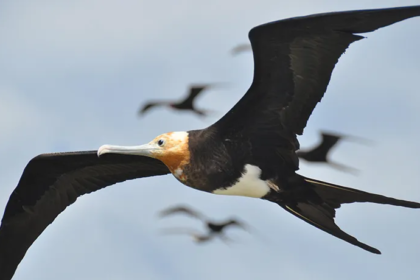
(320, 153)
(214, 228)
(241, 48)
(196, 236)
(185, 104)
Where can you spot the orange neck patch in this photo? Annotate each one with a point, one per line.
(176, 155)
(175, 159)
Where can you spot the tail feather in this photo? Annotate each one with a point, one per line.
(313, 214)
(336, 194)
(320, 212)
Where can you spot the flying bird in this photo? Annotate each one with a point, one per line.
(186, 104)
(250, 151)
(321, 151)
(214, 228)
(241, 48)
(196, 236)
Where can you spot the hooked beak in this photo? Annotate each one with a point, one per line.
(142, 150)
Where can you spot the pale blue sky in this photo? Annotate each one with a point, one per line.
(73, 74)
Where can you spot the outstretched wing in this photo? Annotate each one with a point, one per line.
(50, 183)
(235, 222)
(146, 107)
(329, 140)
(293, 62)
(320, 152)
(194, 92)
(183, 210)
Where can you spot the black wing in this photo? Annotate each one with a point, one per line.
(320, 152)
(146, 107)
(50, 183)
(293, 62)
(184, 210)
(234, 222)
(328, 141)
(194, 92)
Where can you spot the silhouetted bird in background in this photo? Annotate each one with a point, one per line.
(213, 227)
(185, 104)
(320, 153)
(241, 48)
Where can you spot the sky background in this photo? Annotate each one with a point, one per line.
(74, 73)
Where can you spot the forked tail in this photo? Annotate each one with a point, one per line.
(315, 202)
(337, 194)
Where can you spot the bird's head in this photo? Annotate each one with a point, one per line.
(171, 148)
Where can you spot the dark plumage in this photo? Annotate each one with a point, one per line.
(251, 151)
(50, 183)
(320, 152)
(186, 104)
(214, 228)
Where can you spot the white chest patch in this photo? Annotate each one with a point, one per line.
(249, 184)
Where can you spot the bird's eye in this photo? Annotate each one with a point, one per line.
(160, 142)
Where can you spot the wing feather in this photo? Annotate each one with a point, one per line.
(194, 91)
(52, 182)
(184, 210)
(152, 104)
(293, 62)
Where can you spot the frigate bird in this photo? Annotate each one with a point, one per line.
(320, 152)
(214, 227)
(250, 151)
(186, 104)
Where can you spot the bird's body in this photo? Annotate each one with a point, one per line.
(186, 104)
(217, 227)
(251, 151)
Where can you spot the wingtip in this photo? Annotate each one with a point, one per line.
(140, 113)
(412, 204)
(368, 248)
(162, 214)
(376, 251)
